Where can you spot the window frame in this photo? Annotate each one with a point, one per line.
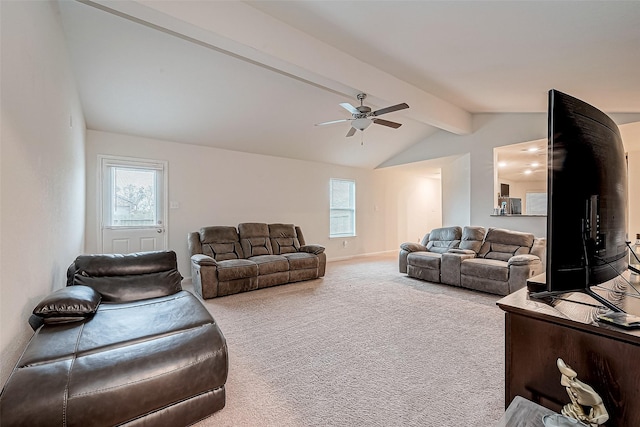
(351, 208)
(535, 196)
(104, 162)
(108, 166)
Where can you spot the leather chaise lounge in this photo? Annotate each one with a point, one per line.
(122, 344)
(226, 260)
(498, 261)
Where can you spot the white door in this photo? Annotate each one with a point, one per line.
(133, 205)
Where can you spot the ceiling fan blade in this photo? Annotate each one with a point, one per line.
(387, 123)
(332, 122)
(390, 109)
(350, 108)
(351, 132)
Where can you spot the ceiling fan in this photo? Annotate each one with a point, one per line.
(363, 116)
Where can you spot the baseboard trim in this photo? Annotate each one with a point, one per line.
(368, 254)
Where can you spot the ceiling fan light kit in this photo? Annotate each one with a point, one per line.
(361, 124)
(362, 116)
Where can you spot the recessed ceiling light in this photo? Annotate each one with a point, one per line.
(535, 164)
(527, 172)
(532, 149)
(502, 164)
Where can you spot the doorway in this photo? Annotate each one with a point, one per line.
(133, 203)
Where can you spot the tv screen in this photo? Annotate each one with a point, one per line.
(587, 196)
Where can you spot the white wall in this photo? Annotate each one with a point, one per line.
(413, 202)
(490, 131)
(221, 187)
(42, 168)
(456, 205)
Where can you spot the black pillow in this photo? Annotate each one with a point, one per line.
(69, 304)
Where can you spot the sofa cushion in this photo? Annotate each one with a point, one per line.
(486, 268)
(428, 260)
(256, 246)
(125, 264)
(233, 269)
(68, 304)
(443, 239)
(269, 264)
(223, 251)
(218, 234)
(502, 244)
(254, 238)
(284, 239)
(128, 277)
(221, 243)
(132, 287)
(472, 238)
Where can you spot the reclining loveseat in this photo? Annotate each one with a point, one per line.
(121, 344)
(499, 261)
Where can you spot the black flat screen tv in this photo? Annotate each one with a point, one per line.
(587, 199)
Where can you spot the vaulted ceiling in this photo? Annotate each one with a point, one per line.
(256, 76)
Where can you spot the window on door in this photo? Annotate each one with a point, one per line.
(342, 216)
(133, 193)
(133, 197)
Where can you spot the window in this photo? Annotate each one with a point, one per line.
(133, 197)
(342, 216)
(536, 203)
(132, 193)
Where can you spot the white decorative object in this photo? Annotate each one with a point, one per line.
(582, 397)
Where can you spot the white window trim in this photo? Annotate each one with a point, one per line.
(108, 160)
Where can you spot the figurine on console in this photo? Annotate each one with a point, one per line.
(583, 397)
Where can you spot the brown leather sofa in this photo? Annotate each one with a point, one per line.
(499, 261)
(121, 344)
(226, 260)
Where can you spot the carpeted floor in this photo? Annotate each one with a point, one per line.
(364, 346)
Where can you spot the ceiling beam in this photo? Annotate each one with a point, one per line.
(237, 29)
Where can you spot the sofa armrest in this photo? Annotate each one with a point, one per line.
(523, 260)
(312, 249)
(204, 275)
(200, 259)
(413, 247)
(450, 265)
(521, 268)
(462, 252)
(402, 260)
(405, 249)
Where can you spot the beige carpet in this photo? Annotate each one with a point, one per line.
(364, 346)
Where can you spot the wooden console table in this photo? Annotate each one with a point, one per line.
(605, 357)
